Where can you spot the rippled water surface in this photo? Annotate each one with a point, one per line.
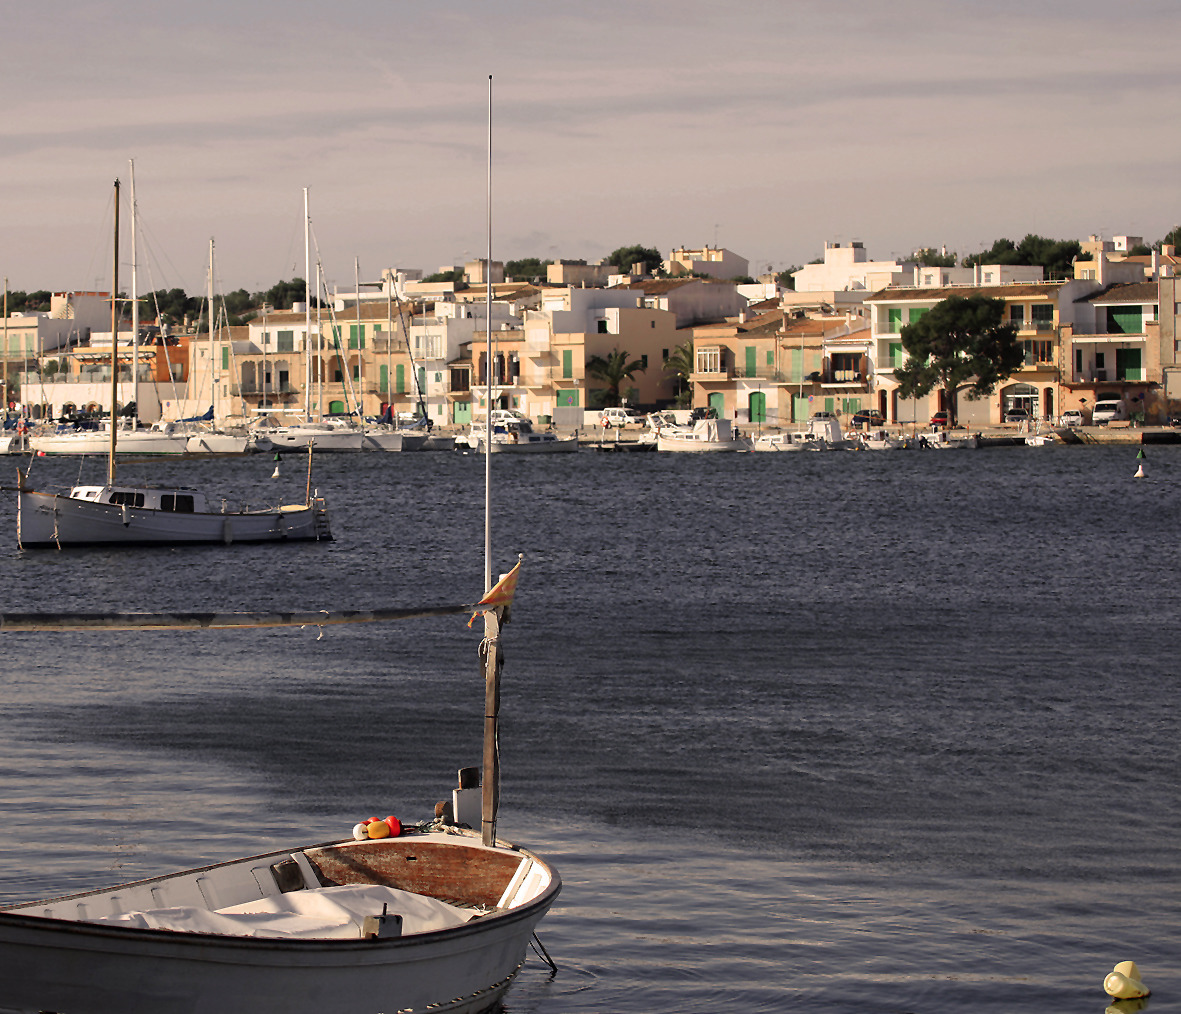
(857, 732)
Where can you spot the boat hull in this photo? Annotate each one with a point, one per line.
(392, 440)
(97, 442)
(558, 445)
(692, 445)
(298, 438)
(50, 519)
(89, 968)
(218, 443)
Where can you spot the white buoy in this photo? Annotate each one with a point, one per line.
(1140, 456)
(275, 473)
(1123, 982)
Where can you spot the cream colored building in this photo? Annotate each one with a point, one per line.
(713, 261)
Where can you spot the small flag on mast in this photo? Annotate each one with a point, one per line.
(501, 594)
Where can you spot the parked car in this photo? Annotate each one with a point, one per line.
(1108, 410)
(868, 417)
(1016, 415)
(1072, 417)
(619, 417)
(940, 418)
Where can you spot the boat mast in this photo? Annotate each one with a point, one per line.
(4, 410)
(212, 346)
(490, 649)
(134, 300)
(360, 349)
(319, 349)
(307, 297)
(114, 341)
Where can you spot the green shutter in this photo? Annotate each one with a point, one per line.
(1127, 365)
(225, 357)
(897, 356)
(916, 313)
(1125, 320)
(717, 401)
(400, 378)
(894, 318)
(384, 382)
(567, 363)
(758, 406)
(752, 365)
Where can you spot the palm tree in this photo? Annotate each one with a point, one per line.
(680, 363)
(613, 371)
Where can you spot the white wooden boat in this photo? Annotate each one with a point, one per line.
(942, 440)
(880, 440)
(512, 433)
(706, 436)
(137, 515)
(299, 931)
(789, 440)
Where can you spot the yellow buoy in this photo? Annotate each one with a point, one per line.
(1123, 982)
(379, 829)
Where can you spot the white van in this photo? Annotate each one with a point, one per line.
(619, 417)
(1107, 409)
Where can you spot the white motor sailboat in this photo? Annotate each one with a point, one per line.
(114, 514)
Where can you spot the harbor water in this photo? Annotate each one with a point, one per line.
(860, 733)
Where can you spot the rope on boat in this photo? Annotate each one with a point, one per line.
(218, 621)
(539, 949)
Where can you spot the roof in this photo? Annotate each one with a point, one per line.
(913, 292)
(659, 286)
(1129, 292)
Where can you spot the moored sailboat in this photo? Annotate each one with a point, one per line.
(111, 513)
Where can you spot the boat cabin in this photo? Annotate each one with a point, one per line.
(178, 501)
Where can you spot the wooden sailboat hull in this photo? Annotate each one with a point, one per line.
(53, 963)
(49, 519)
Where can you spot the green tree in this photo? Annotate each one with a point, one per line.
(1056, 256)
(1172, 238)
(282, 294)
(527, 267)
(785, 279)
(613, 371)
(680, 364)
(960, 344)
(624, 257)
(929, 257)
(455, 275)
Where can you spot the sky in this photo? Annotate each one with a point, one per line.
(767, 128)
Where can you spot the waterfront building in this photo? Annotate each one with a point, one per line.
(1047, 315)
(779, 370)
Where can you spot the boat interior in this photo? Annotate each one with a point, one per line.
(425, 882)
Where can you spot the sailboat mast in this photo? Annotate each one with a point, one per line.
(212, 345)
(114, 341)
(134, 298)
(360, 350)
(307, 303)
